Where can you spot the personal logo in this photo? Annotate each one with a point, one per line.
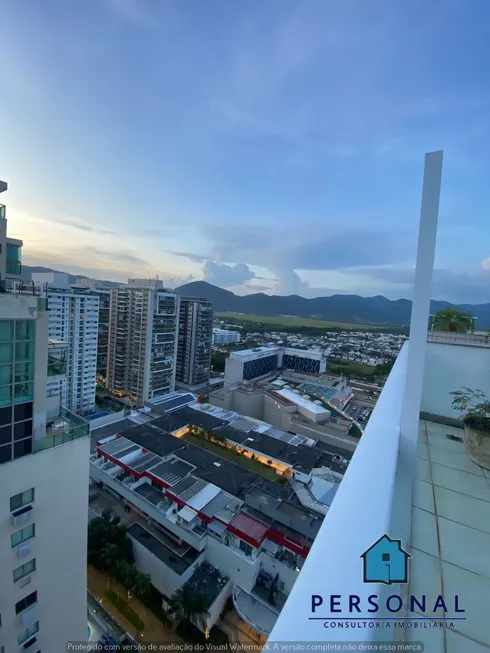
(385, 562)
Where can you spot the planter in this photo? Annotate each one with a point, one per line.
(478, 446)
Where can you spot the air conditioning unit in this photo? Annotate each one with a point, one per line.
(20, 516)
(23, 550)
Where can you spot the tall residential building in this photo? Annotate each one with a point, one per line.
(195, 340)
(225, 337)
(43, 488)
(104, 294)
(143, 334)
(10, 251)
(74, 320)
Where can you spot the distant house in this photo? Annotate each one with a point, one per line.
(385, 562)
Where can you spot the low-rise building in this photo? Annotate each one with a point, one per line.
(210, 513)
(225, 337)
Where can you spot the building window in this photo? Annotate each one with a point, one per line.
(246, 548)
(5, 453)
(28, 633)
(24, 570)
(22, 499)
(23, 430)
(24, 330)
(6, 352)
(22, 448)
(23, 535)
(23, 604)
(6, 330)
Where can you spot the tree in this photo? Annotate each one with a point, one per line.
(190, 605)
(451, 319)
(104, 531)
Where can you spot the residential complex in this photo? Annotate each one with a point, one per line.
(194, 514)
(43, 488)
(74, 320)
(104, 295)
(225, 337)
(253, 364)
(143, 338)
(194, 342)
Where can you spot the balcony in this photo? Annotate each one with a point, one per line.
(411, 479)
(63, 428)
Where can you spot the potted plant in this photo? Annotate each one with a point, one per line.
(475, 408)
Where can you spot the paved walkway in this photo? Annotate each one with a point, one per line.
(155, 630)
(238, 631)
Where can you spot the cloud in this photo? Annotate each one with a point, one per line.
(81, 226)
(456, 286)
(195, 258)
(227, 276)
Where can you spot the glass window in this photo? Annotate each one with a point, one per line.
(5, 434)
(23, 392)
(22, 499)
(5, 453)
(22, 412)
(24, 570)
(246, 548)
(28, 633)
(24, 330)
(23, 535)
(5, 416)
(23, 604)
(6, 353)
(13, 252)
(6, 330)
(23, 372)
(5, 374)
(23, 430)
(6, 397)
(22, 448)
(24, 351)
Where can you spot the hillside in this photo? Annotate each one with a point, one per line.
(338, 308)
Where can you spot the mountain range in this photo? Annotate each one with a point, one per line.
(338, 308)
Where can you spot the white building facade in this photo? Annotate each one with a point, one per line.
(74, 319)
(225, 337)
(143, 337)
(43, 490)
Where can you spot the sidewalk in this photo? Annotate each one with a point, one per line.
(155, 630)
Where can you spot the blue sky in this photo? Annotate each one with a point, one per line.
(272, 146)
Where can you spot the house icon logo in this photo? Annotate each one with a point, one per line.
(385, 562)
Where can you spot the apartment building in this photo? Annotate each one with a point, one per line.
(104, 295)
(43, 489)
(195, 341)
(253, 364)
(10, 252)
(195, 516)
(74, 320)
(143, 336)
(225, 337)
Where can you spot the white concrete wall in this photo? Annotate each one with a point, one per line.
(60, 479)
(241, 569)
(163, 578)
(233, 370)
(447, 368)
(287, 575)
(147, 508)
(215, 610)
(106, 419)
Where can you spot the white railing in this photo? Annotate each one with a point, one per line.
(359, 516)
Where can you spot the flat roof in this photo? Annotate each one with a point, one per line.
(247, 525)
(171, 471)
(208, 581)
(150, 493)
(244, 424)
(169, 403)
(115, 428)
(156, 439)
(257, 350)
(297, 399)
(178, 564)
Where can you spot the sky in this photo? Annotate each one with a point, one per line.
(264, 146)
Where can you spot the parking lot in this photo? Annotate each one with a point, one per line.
(359, 411)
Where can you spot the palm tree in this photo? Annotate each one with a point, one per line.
(191, 606)
(451, 319)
